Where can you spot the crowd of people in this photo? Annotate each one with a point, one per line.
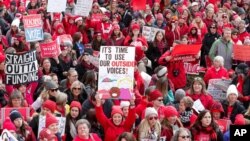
(161, 109)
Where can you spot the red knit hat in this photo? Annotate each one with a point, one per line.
(21, 9)
(50, 105)
(70, 1)
(116, 26)
(198, 14)
(135, 26)
(217, 107)
(116, 110)
(76, 104)
(170, 111)
(227, 5)
(46, 134)
(239, 120)
(50, 119)
(107, 13)
(159, 16)
(148, 18)
(155, 94)
(7, 124)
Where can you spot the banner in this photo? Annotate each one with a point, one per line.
(61, 121)
(32, 11)
(83, 7)
(241, 53)
(49, 50)
(96, 17)
(64, 38)
(138, 4)
(7, 136)
(181, 50)
(150, 32)
(56, 5)
(21, 68)
(24, 111)
(217, 88)
(33, 27)
(116, 72)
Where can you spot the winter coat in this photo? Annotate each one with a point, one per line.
(207, 42)
(176, 70)
(30, 136)
(213, 74)
(238, 108)
(93, 137)
(113, 131)
(211, 134)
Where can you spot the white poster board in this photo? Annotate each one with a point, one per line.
(56, 5)
(116, 72)
(61, 121)
(198, 106)
(83, 7)
(150, 32)
(217, 88)
(7, 136)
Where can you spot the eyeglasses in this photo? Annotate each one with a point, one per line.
(151, 118)
(53, 90)
(185, 137)
(77, 89)
(224, 17)
(213, 27)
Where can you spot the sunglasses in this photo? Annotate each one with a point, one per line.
(224, 17)
(151, 118)
(213, 27)
(77, 89)
(53, 90)
(185, 137)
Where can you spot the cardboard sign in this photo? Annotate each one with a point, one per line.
(217, 88)
(94, 60)
(61, 121)
(83, 7)
(21, 68)
(64, 38)
(181, 50)
(138, 4)
(96, 17)
(241, 52)
(7, 136)
(150, 32)
(24, 111)
(116, 72)
(49, 50)
(56, 5)
(33, 26)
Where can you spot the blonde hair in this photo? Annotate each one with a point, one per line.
(144, 128)
(75, 83)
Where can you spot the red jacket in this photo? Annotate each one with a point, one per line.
(206, 99)
(213, 74)
(179, 81)
(93, 138)
(112, 131)
(243, 35)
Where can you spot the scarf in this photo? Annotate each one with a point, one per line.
(161, 46)
(73, 132)
(208, 130)
(185, 116)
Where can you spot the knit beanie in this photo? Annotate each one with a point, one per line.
(7, 124)
(217, 107)
(161, 71)
(124, 104)
(76, 104)
(148, 18)
(239, 120)
(150, 111)
(46, 134)
(116, 110)
(50, 119)
(155, 94)
(232, 90)
(170, 111)
(135, 26)
(49, 104)
(179, 94)
(173, 2)
(14, 114)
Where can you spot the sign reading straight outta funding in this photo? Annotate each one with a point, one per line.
(33, 27)
(21, 68)
(116, 72)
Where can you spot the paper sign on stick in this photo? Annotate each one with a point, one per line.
(49, 50)
(56, 5)
(83, 7)
(116, 72)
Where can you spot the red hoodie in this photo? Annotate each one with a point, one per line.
(94, 137)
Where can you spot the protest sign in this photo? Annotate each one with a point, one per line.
(181, 49)
(49, 50)
(7, 136)
(94, 60)
(83, 7)
(116, 72)
(24, 111)
(96, 17)
(241, 53)
(56, 5)
(61, 124)
(21, 68)
(33, 27)
(64, 38)
(223, 124)
(198, 106)
(150, 32)
(138, 4)
(217, 88)
(32, 11)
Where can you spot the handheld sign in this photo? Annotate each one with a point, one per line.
(217, 88)
(21, 68)
(241, 52)
(49, 50)
(116, 72)
(33, 27)
(56, 5)
(150, 32)
(7, 136)
(83, 7)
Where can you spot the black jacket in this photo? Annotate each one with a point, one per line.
(238, 108)
(207, 42)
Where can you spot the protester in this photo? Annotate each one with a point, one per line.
(182, 134)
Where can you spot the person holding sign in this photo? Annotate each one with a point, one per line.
(23, 129)
(53, 125)
(46, 135)
(116, 125)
